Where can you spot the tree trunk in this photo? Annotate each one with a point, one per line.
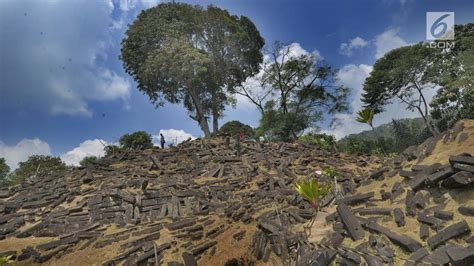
(428, 124)
(215, 121)
(378, 140)
(200, 117)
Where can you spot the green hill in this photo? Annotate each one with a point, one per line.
(393, 137)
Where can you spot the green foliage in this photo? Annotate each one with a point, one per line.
(37, 165)
(303, 90)
(330, 172)
(402, 74)
(112, 149)
(312, 191)
(186, 54)
(323, 141)
(136, 140)
(277, 125)
(5, 260)
(394, 137)
(455, 75)
(235, 127)
(4, 170)
(88, 161)
(365, 116)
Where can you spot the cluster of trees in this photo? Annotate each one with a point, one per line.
(36, 165)
(386, 139)
(202, 58)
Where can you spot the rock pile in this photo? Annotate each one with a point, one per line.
(198, 203)
(201, 204)
(418, 208)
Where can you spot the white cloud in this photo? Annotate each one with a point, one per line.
(93, 147)
(353, 76)
(22, 150)
(55, 58)
(173, 136)
(356, 43)
(388, 41)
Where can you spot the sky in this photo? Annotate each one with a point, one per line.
(63, 90)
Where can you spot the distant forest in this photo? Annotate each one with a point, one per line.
(394, 137)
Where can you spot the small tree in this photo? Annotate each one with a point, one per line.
(235, 127)
(37, 165)
(4, 170)
(366, 116)
(137, 140)
(88, 161)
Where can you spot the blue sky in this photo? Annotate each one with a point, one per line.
(63, 90)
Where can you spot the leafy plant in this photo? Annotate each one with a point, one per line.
(312, 191)
(330, 172)
(366, 116)
(5, 260)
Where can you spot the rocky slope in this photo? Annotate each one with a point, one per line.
(199, 203)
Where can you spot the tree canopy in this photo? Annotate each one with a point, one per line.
(404, 74)
(186, 54)
(454, 68)
(137, 140)
(235, 127)
(37, 165)
(298, 90)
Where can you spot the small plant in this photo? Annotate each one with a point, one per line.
(312, 191)
(330, 172)
(5, 260)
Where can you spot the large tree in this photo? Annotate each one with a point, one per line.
(186, 54)
(294, 90)
(454, 66)
(404, 74)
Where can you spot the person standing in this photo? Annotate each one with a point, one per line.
(162, 141)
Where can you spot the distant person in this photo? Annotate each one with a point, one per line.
(162, 141)
(242, 136)
(237, 146)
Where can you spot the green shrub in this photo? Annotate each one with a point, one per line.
(233, 128)
(88, 160)
(136, 140)
(323, 141)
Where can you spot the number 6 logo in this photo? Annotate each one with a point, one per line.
(440, 26)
